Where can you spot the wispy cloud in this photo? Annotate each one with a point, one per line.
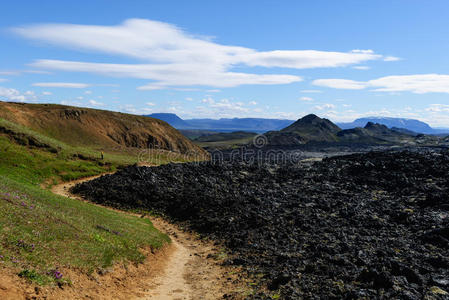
(175, 58)
(419, 84)
(306, 99)
(325, 106)
(15, 95)
(70, 85)
(361, 67)
(340, 84)
(391, 58)
(311, 91)
(95, 103)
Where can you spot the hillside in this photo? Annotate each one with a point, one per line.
(98, 129)
(48, 240)
(313, 129)
(374, 133)
(310, 128)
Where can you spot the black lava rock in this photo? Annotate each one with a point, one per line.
(371, 225)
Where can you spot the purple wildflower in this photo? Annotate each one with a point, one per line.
(57, 274)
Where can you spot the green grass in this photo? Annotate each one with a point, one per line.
(227, 144)
(37, 165)
(42, 233)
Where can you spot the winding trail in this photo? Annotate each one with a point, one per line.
(188, 271)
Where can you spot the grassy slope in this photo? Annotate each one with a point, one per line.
(98, 130)
(227, 144)
(41, 232)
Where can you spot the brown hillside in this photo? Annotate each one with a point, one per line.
(97, 128)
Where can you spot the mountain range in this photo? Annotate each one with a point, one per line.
(258, 125)
(261, 125)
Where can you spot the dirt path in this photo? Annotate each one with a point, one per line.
(188, 272)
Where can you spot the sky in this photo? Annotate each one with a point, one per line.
(221, 59)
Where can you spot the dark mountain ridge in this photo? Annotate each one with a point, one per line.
(313, 129)
(261, 125)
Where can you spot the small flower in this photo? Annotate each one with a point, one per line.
(57, 274)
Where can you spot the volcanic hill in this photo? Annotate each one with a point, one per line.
(313, 129)
(99, 129)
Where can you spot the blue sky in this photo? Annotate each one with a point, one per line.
(275, 59)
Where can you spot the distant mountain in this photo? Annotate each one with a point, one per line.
(314, 128)
(258, 125)
(171, 119)
(408, 124)
(310, 128)
(374, 133)
(261, 125)
(406, 131)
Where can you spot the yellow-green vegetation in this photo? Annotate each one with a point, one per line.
(227, 144)
(41, 234)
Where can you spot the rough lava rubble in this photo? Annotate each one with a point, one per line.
(360, 226)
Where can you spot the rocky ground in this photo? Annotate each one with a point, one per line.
(362, 226)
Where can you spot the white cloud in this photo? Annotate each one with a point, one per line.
(361, 67)
(208, 100)
(3, 80)
(326, 106)
(418, 84)
(189, 99)
(87, 92)
(391, 58)
(311, 91)
(340, 84)
(95, 103)
(71, 103)
(150, 104)
(70, 85)
(176, 58)
(45, 93)
(438, 108)
(252, 103)
(15, 95)
(213, 91)
(9, 73)
(306, 99)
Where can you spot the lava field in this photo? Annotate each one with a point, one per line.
(361, 226)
